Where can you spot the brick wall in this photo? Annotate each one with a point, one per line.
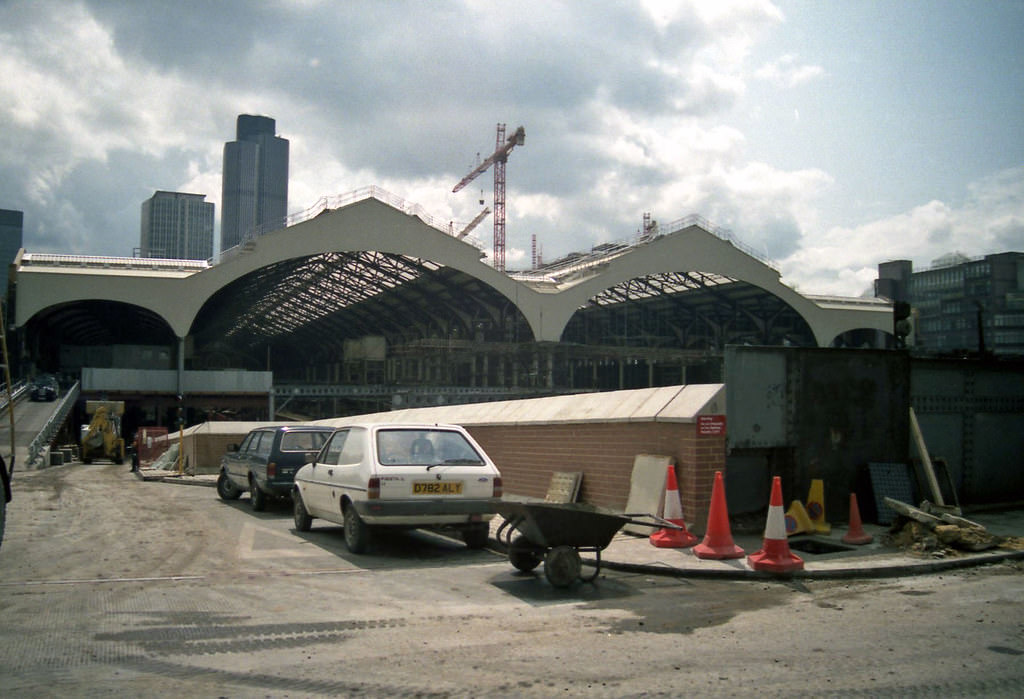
(604, 452)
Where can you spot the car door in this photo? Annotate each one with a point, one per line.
(317, 488)
(257, 455)
(348, 476)
(234, 461)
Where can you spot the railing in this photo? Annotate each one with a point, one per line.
(341, 200)
(53, 425)
(152, 263)
(17, 391)
(606, 251)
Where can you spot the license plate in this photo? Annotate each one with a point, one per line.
(437, 488)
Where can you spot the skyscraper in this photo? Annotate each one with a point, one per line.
(255, 181)
(177, 226)
(10, 242)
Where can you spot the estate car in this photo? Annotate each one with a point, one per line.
(399, 475)
(264, 464)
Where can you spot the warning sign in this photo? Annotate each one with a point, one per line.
(711, 425)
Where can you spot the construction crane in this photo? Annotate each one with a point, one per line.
(474, 223)
(498, 159)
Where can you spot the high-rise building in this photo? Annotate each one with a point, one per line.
(960, 304)
(255, 181)
(11, 237)
(178, 226)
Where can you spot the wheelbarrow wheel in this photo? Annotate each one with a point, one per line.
(562, 566)
(523, 555)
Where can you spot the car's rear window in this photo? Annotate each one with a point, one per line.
(425, 446)
(303, 441)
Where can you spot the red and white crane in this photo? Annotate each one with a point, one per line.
(498, 159)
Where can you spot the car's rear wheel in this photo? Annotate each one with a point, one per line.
(357, 532)
(226, 489)
(257, 498)
(303, 521)
(476, 534)
(523, 555)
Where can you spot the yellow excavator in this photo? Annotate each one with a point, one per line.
(102, 439)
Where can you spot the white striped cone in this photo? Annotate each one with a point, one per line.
(665, 537)
(775, 555)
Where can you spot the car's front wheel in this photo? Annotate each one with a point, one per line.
(357, 532)
(303, 522)
(257, 498)
(226, 489)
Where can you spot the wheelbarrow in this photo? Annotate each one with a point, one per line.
(556, 533)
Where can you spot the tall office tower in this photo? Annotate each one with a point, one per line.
(255, 181)
(177, 226)
(10, 242)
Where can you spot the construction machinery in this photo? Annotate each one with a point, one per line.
(102, 439)
(498, 159)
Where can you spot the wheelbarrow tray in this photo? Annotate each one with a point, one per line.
(550, 524)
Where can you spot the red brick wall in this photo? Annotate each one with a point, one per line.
(527, 455)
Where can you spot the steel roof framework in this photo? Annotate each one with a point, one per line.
(686, 310)
(309, 306)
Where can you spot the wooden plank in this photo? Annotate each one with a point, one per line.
(647, 488)
(564, 486)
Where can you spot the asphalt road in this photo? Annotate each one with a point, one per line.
(113, 586)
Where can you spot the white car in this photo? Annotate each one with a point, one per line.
(401, 475)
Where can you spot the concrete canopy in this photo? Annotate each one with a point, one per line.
(397, 261)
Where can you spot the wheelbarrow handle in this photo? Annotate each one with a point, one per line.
(658, 523)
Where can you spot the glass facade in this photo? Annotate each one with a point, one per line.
(11, 234)
(177, 226)
(961, 305)
(255, 181)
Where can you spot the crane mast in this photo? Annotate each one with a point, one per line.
(498, 159)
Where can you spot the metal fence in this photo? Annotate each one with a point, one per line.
(53, 425)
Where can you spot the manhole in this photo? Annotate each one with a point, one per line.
(818, 547)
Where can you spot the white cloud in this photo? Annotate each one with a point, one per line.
(788, 72)
(844, 260)
(628, 107)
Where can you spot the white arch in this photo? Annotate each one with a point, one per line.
(372, 225)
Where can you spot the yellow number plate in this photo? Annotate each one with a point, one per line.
(437, 488)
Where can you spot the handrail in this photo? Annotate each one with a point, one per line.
(16, 393)
(346, 199)
(52, 426)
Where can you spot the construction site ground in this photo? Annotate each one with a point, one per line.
(902, 548)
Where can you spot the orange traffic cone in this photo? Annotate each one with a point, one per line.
(775, 555)
(718, 543)
(672, 538)
(856, 534)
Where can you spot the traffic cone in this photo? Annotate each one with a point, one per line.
(797, 520)
(856, 534)
(775, 555)
(816, 507)
(671, 538)
(718, 543)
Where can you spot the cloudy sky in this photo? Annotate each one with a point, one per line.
(828, 135)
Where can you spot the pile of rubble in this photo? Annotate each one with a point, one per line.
(940, 531)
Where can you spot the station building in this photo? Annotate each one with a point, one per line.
(366, 303)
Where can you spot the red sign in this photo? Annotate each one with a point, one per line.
(713, 425)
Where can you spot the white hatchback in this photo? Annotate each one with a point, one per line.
(401, 475)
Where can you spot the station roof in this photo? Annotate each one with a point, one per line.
(663, 404)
